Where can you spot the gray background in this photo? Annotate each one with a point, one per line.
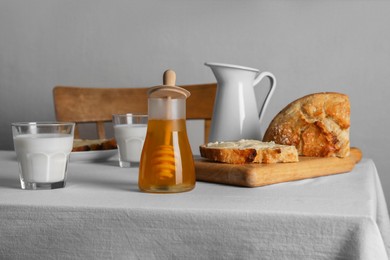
(310, 46)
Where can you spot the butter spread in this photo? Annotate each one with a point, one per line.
(243, 144)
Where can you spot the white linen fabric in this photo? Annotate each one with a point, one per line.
(101, 214)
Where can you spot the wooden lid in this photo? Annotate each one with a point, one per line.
(168, 89)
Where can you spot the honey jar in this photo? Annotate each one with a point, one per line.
(167, 164)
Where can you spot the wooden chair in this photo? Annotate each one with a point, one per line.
(97, 105)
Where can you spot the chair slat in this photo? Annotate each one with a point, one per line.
(97, 105)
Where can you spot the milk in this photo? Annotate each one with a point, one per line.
(130, 140)
(43, 157)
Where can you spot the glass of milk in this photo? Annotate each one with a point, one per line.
(130, 132)
(42, 150)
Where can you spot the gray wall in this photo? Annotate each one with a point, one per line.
(310, 46)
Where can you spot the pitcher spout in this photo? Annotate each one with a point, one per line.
(224, 65)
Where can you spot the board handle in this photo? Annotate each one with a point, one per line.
(356, 154)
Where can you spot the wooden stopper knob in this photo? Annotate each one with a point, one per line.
(169, 78)
(169, 88)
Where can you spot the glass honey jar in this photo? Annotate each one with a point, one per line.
(167, 164)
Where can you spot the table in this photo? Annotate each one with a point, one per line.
(101, 214)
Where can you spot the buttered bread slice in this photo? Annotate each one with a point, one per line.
(248, 151)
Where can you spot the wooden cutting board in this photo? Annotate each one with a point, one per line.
(255, 175)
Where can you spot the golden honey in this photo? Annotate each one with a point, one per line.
(166, 163)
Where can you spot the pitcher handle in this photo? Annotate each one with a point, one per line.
(270, 92)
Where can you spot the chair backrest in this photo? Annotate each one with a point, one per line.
(97, 105)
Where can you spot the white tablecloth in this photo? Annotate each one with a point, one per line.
(101, 214)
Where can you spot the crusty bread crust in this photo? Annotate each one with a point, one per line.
(317, 125)
(272, 154)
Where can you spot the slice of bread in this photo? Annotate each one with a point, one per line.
(82, 145)
(248, 151)
(317, 125)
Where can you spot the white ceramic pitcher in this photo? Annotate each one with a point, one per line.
(236, 114)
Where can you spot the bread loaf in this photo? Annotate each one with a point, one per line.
(317, 125)
(248, 151)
